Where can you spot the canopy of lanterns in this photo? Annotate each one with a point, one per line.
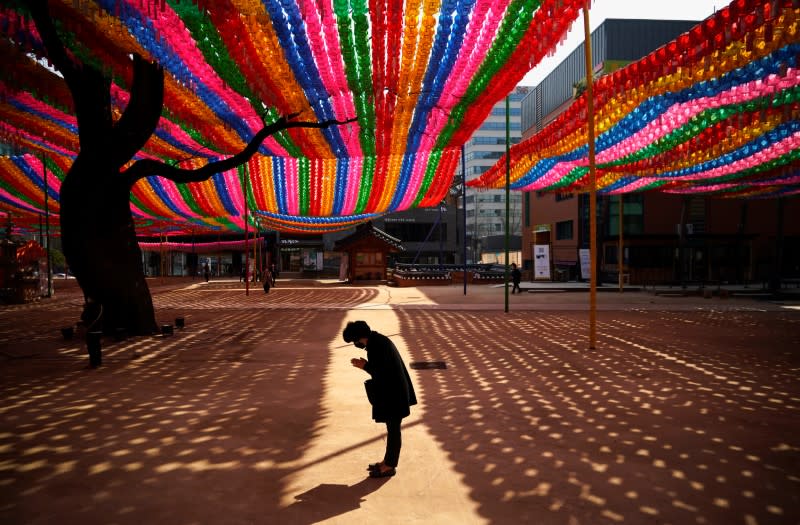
(714, 111)
(417, 76)
(717, 111)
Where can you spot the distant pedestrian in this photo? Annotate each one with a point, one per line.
(516, 277)
(268, 281)
(207, 272)
(389, 390)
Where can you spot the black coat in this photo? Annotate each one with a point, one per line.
(394, 393)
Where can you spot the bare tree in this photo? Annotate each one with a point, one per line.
(97, 228)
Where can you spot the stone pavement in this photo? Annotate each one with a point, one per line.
(685, 412)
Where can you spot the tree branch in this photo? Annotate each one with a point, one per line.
(147, 167)
(141, 116)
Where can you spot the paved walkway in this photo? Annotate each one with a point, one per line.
(687, 411)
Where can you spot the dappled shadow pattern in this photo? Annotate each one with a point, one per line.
(165, 423)
(677, 417)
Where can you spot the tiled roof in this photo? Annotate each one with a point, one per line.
(368, 230)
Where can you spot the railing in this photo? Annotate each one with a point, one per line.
(449, 267)
(424, 274)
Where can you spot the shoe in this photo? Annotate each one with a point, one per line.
(378, 473)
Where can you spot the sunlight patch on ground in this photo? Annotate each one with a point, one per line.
(334, 466)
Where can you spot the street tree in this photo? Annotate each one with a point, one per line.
(97, 227)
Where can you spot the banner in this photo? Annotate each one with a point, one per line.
(583, 255)
(541, 261)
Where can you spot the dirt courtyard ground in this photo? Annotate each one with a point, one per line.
(686, 412)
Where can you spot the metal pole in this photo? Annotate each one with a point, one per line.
(441, 238)
(621, 249)
(257, 256)
(508, 193)
(279, 258)
(47, 231)
(196, 259)
(464, 212)
(246, 252)
(161, 251)
(593, 181)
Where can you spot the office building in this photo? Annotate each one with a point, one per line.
(486, 209)
(666, 238)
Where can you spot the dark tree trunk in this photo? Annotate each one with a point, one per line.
(98, 234)
(100, 245)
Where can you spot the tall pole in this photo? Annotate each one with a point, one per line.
(195, 258)
(278, 257)
(47, 231)
(257, 256)
(621, 249)
(441, 237)
(246, 252)
(508, 193)
(587, 47)
(464, 213)
(161, 252)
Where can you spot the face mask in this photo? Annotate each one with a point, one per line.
(359, 344)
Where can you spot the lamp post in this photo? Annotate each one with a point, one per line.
(593, 181)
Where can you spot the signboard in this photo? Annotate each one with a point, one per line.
(586, 266)
(541, 261)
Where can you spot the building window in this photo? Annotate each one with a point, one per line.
(478, 155)
(633, 209)
(564, 230)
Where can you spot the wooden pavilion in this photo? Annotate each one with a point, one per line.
(366, 253)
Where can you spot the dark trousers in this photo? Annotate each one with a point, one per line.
(516, 288)
(393, 442)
